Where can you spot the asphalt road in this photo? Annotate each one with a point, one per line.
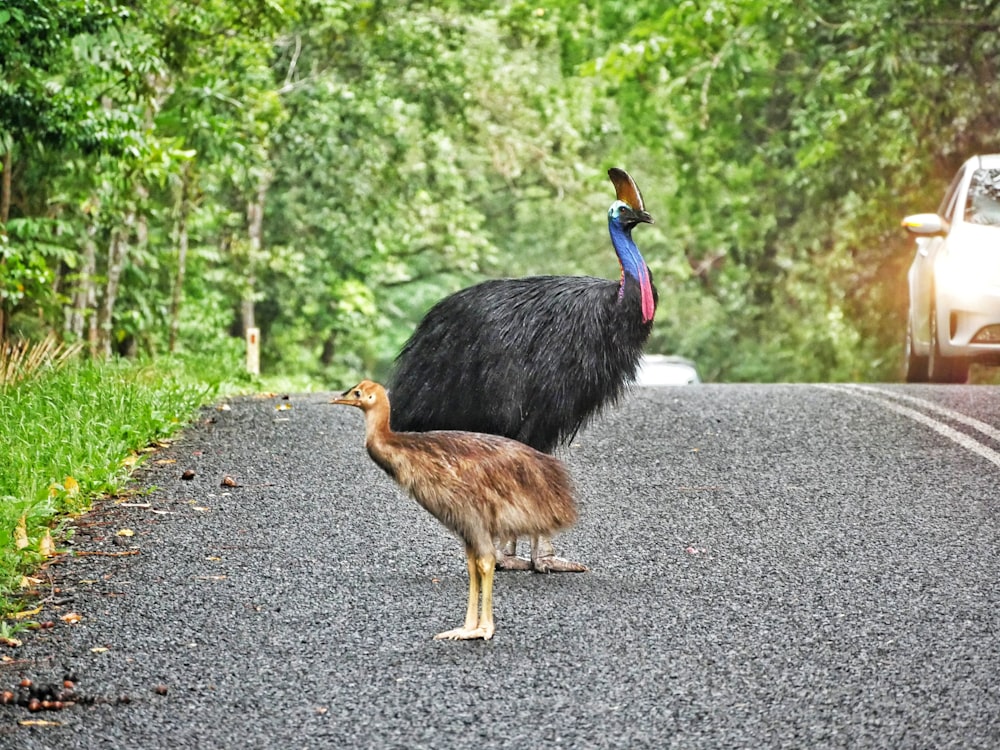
(771, 566)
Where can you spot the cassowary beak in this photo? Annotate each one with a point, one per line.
(631, 217)
(346, 398)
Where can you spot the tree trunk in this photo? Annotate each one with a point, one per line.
(182, 250)
(85, 297)
(5, 188)
(329, 350)
(117, 252)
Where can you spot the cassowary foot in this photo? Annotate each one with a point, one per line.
(465, 634)
(553, 564)
(507, 558)
(545, 560)
(513, 562)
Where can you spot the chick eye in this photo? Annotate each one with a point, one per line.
(357, 394)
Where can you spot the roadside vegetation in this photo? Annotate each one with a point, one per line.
(72, 430)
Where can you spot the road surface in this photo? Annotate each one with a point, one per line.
(779, 566)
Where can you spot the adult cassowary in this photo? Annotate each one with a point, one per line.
(533, 359)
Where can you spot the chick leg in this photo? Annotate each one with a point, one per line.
(507, 558)
(544, 560)
(487, 565)
(471, 629)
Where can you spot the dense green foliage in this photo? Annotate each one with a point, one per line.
(326, 169)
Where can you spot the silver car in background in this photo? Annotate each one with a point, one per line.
(661, 369)
(954, 280)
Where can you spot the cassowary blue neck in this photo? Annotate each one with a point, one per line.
(628, 253)
(633, 266)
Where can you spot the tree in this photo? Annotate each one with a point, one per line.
(796, 136)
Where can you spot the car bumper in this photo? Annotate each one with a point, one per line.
(970, 327)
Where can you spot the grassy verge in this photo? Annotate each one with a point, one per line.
(71, 434)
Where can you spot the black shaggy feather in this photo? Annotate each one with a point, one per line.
(531, 359)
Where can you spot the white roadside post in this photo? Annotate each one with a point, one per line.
(253, 351)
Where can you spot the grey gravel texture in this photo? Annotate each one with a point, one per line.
(771, 566)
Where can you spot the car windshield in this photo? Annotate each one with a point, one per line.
(982, 205)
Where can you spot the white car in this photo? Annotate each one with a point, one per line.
(954, 280)
(660, 369)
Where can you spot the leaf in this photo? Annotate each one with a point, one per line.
(46, 546)
(21, 533)
(99, 650)
(10, 641)
(26, 613)
(38, 723)
(28, 582)
(70, 487)
(125, 532)
(71, 618)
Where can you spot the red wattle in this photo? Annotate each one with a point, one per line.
(648, 306)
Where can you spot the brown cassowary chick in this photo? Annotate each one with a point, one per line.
(481, 487)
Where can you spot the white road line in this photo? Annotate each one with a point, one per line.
(988, 430)
(967, 442)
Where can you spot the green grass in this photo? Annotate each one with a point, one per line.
(70, 435)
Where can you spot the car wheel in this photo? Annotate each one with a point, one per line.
(944, 369)
(916, 364)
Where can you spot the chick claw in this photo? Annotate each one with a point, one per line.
(465, 634)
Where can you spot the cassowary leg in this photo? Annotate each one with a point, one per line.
(507, 558)
(474, 627)
(544, 560)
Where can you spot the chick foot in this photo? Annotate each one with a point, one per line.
(465, 634)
